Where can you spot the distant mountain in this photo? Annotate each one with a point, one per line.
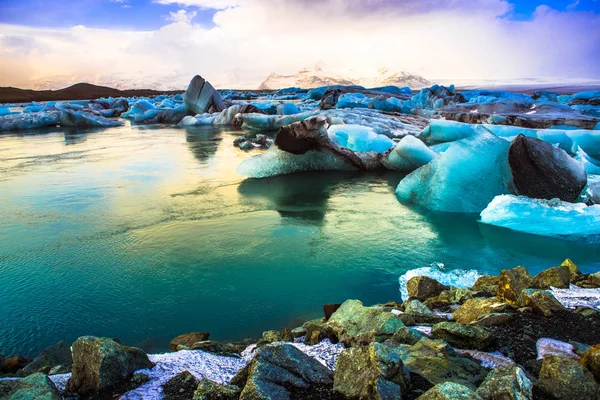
(79, 91)
(314, 77)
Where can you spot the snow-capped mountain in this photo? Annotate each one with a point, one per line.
(317, 76)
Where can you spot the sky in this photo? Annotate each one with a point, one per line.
(237, 43)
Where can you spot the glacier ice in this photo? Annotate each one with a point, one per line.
(85, 119)
(571, 221)
(576, 297)
(255, 121)
(33, 108)
(453, 182)
(591, 165)
(23, 121)
(552, 347)
(587, 140)
(359, 138)
(287, 108)
(459, 278)
(201, 97)
(138, 108)
(5, 111)
(409, 154)
(440, 130)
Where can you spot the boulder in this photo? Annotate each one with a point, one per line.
(188, 340)
(487, 285)
(462, 336)
(565, 379)
(355, 324)
(210, 390)
(100, 364)
(435, 362)
(542, 171)
(558, 277)
(329, 309)
(225, 349)
(492, 319)
(14, 364)
(416, 313)
(506, 383)
(591, 359)
(449, 391)
(573, 269)
(423, 287)
(56, 358)
(511, 283)
(406, 335)
(449, 297)
(473, 309)
(317, 330)
(34, 387)
(281, 371)
(180, 387)
(370, 372)
(541, 302)
(200, 97)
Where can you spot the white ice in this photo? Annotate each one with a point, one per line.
(459, 278)
(255, 121)
(359, 138)
(572, 221)
(578, 297)
(552, 347)
(453, 182)
(409, 154)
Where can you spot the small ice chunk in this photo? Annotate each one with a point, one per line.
(553, 347)
(459, 278)
(288, 108)
(409, 154)
(488, 360)
(359, 138)
(255, 121)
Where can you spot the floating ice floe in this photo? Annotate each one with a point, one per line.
(359, 138)
(263, 122)
(86, 120)
(34, 120)
(572, 221)
(206, 365)
(453, 182)
(459, 278)
(409, 154)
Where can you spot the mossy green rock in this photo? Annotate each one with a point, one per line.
(449, 297)
(566, 379)
(511, 283)
(558, 277)
(210, 390)
(449, 391)
(317, 330)
(436, 362)
(472, 309)
(487, 285)
(423, 287)
(370, 372)
(100, 364)
(574, 271)
(355, 324)
(406, 335)
(591, 359)
(506, 383)
(58, 355)
(35, 387)
(281, 371)
(540, 301)
(492, 319)
(462, 336)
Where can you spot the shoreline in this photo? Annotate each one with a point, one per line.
(499, 325)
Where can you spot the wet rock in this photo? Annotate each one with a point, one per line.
(416, 313)
(542, 171)
(210, 390)
(565, 379)
(14, 364)
(462, 336)
(188, 339)
(423, 287)
(436, 362)
(511, 283)
(371, 372)
(574, 271)
(201, 97)
(589, 281)
(406, 335)
(591, 360)
(329, 309)
(281, 371)
(225, 349)
(487, 285)
(449, 391)
(58, 355)
(317, 330)
(473, 309)
(448, 298)
(541, 301)
(558, 277)
(506, 383)
(492, 319)
(355, 324)
(34, 387)
(100, 364)
(180, 387)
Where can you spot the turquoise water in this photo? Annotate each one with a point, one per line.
(144, 234)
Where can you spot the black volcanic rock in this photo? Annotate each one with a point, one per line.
(542, 171)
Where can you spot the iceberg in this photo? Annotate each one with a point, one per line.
(591, 165)
(453, 181)
(138, 108)
(255, 121)
(571, 221)
(353, 100)
(359, 138)
(33, 107)
(287, 109)
(587, 140)
(19, 122)
(440, 131)
(5, 111)
(85, 119)
(201, 97)
(409, 154)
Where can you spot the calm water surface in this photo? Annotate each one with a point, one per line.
(144, 234)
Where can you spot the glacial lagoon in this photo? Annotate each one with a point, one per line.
(143, 233)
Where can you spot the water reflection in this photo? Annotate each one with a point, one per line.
(203, 142)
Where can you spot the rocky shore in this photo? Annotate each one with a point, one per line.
(512, 336)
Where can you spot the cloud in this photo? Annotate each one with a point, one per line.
(450, 39)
